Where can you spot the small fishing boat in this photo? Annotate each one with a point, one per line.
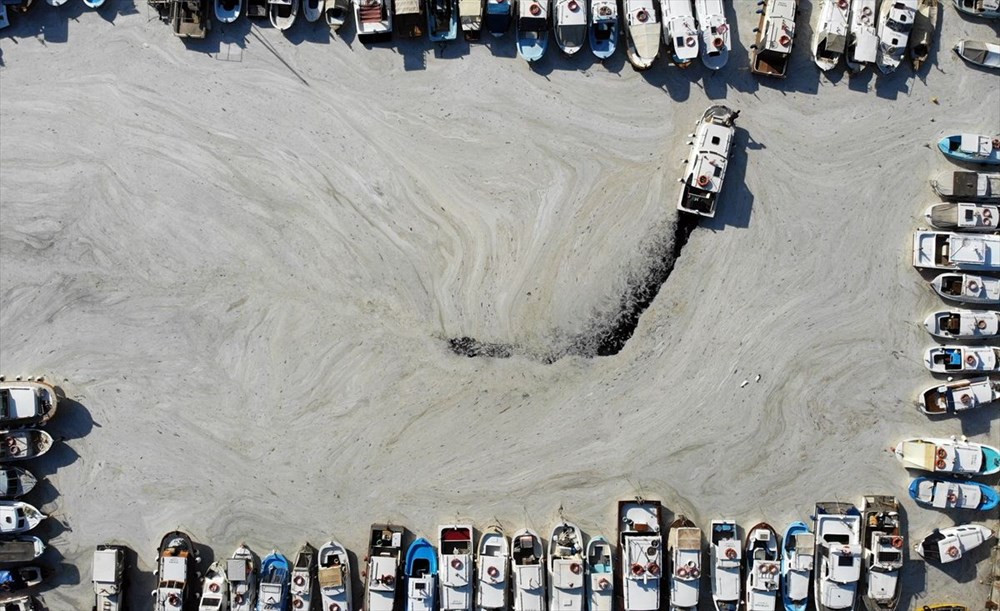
(256, 9)
(189, 18)
(947, 494)
(894, 26)
(862, 39)
(22, 444)
(725, 554)
(972, 325)
(499, 14)
(570, 25)
(566, 562)
(924, 29)
(763, 564)
(19, 549)
(282, 13)
(109, 578)
(303, 588)
(642, 33)
(15, 482)
(336, 13)
(384, 554)
(986, 9)
(373, 19)
(959, 396)
(956, 251)
(950, 544)
(456, 550)
(334, 576)
(241, 573)
(272, 590)
(640, 536)
(830, 34)
(798, 549)
(938, 455)
(313, 10)
(19, 580)
(684, 551)
(410, 20)
(962, 359)
(985, 54)
(470, 15)
(969, 187)
(968, 288)
(532, 29)
(227, 11)
(214, 589)
(680, 32)
(962, 216)
(715, 35)
(421, 574)
(603, 28)
(176, 568)
(775, 34)
(971, 148)
(26, 403)
(442, 20)
(838, 556)
(491, 571)
(600, 575)
(705, 170)
(528, 567)
(883, 552)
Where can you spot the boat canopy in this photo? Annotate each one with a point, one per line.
(16, 403)
(947, 495)
(106, 571)
(174, 569)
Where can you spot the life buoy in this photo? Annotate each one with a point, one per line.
(719, 43)
(953, 551)
(682, 572)
(987, 213)
(653, 568)
(980, 324)
(973, 286)
(637, 569)
(214, 587)
(996, 143)
(722, 29)
(573, 6)
(335, 606)
(299, 580)
(456, 563)
(689, 41)
(966, 399)
(891, 50)
(605, 10)
(694, 572)
(952, 497)
(388, 580)
(238, 599)
(642, 16)
(297, 603)
(784, 41)
(731, 553)
(970, 361)
(845, 551)
(842, 4)
(575, 568)
(897, 542)
(941, 453)
(493, 572)
(866, 12)
(603, 583)
(703, 180)
(940, 464)
(173, 600)
(13, 450)
(535, 9)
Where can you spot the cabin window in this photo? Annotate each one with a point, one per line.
(718, 172)
(715, 140)
(679, 42)
(845, 561)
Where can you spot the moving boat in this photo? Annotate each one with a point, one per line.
(19, 549)
(15, 482)
(968, 288)
(958, 396)
(763, 563)
(640, 541)
(312, 10)
(373, 19)
(956, 251)
(951, 544)
(985, 54)
(528, 566)
(971, 325)
(491, 571)
(987, 9)
(566, 579)
(679, 31)
(19, 580)
(726, 554)
(969, 187)
(971, 148)
(895, 23)
(798, 548)
(410, 21)
(456, 549)
(603, 28)
(948, 494)
(532, 29)
(26, 403)
(838, 556)
(862, 39)
(421, 574)
(176, 568)
(600, 575)
(470, 14)
(706, 165)
(214, 589)
(570, 26)
(499, 14)
(109, 578)
(241, 572)
(442, 20)
(303, 578)
(228, 11)
(958, 456)
(336, 12)
(951, 216)
(830, 35)
(922, 36)
(962, 359)
(334, 576)
(684, 552)
(714, 29)
(272, 591)
(382, 570)
(22, 444)
(775, 35)
(642, 33)
(282, 13)
(883, 544)
(189, 18)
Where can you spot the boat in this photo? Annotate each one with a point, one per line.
(189, 18)
(410, 21)
(382, 569)
(241, 573)
(953, 455)
(421, 574)
(527, 560)
(969, 187)
(883, 543)
(968, 288)
(313, 10)
(499, 14)
(642, 33)
(22, 444)
(684, 552)
(603, 28)
(15, 482)
(22, 603)
(797, 558)
(19, 549)
(985, 54)
(714, 30)
(334, 576)
(862, 39)
(109, 578)
(282, 13)
(986, 9)
(569, 25)
(970, 325)
(567, 582)
(763, 563)
(962, 359)
(725, 555)
(303, 588)
(19, 580)
(956, 251)
(705, 169)
(971, 148)
(830, 34)
(895, 23)
(272, 587)
(470, 14)
(950, 544)
(837, 565)
(924, 28)
(336, 13)
(963, 216)
(491, 571)
(948, 494)
(771, 51)
(640, 543)
(373, 19)
(442, 20)
(532, 29)
(176, 564)
(959, 396)
(680, 32)
(26, 403)
(256, 9)
(600, 575)
(214, 589)
(227, 11)
(456, 551)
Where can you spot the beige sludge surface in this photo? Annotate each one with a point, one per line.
(246, 272)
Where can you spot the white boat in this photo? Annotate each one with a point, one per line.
(883, 542)
(22, 444)
(282, 13)
(492, 571)
(642, 33)
(725, 554)
(924, 32)
(456, 551)
(956, 251)
(241, 573)
(109, 578)
(953, 455)
(532, 28)
(705, 169)
(769, 55)
(303, 586)
(334, 577)
(968, 187)
(838, 556)
(679, 31)
(373, 19)
(176, 566)
(527, 561)
(313, 10)
(968, 288)
(987, 9)
(603, 28)
(640, 536)
(600, 575)
(382, 567)
(895, 23)
(684, 551)
(715, 34)
(964, 324)
(228, 11)
(763, 565)
(470, 18)
(797, 559)
(830, 34)
(26, 403)
(985, 54)
(862, 39)
(958, 396)
(567, 581)
(214, 589)
(336, 13)
(962, 359)
(570, 25)
(963, 216)
(951, 544)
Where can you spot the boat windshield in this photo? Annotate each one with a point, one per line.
(532, 24)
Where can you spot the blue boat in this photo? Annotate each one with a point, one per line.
(421, 576)
(949, 494)
(499, 14)
(227, 11)
(442, 20)
(273, 592)
(798, 546)
(532, 29)
(604, 28)
(972, 148)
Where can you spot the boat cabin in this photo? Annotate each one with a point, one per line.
(949, 495)
(12, 519)
(456, 567)
(19, 403)
(109, 566)
(775, 34)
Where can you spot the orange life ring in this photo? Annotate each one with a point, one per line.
(842, 4)
(575, 568)
(703, 180)
(335, 606)
(239, 599)
(731, 553)
(297, 603)
(299, 580)
(996, 143)
(942, 453)
(14, 450)
(653, 568)
(694, 572)
(970, 361)
(980, 324)
(214, 587)
(953, 551)
(966, 399)
(897, 542)
(719, 43)
(973, 286)
(637, 569)
(952, 497)
(866, 12)
(388, 580)
(493, 572)
(682, 572)
(940, 464)
(987, 213)
(535, 9)
(456, 563)
(722, 29)
(603, 583)
(784, 41)
(642, 16)
(573, 6)
(173, 600)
